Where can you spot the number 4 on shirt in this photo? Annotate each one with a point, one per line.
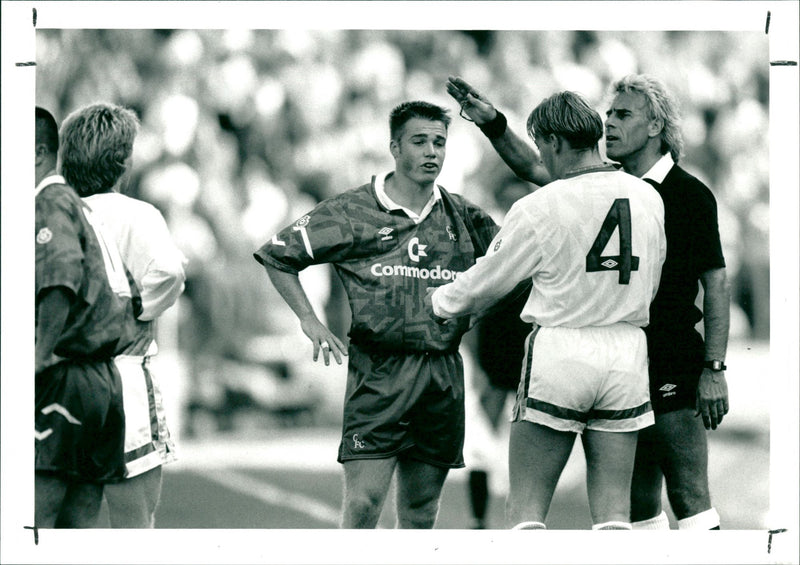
(618, 215)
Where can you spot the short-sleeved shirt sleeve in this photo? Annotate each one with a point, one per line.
(59, 253)
(324, 235)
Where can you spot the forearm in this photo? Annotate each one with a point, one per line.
(521, 157)
(716, 314)
(51, 316)
(289, 287)
(160, 290)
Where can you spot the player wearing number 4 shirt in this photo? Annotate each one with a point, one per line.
(593, 244)
(390, 241)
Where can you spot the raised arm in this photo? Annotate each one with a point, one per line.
(520, 156)
(289, 287)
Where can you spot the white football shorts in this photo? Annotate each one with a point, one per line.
(585, 378)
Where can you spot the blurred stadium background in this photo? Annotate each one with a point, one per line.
(244, 131)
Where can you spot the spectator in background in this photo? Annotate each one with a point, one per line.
(97, 146)
(585, 368)
(83, 310)
(687, 375)
(389, 241)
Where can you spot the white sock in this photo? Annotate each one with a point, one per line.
(614, 525)
(529, 526)
(660, 522)
(704, 521)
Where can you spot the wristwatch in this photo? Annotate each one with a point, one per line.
(715, 365)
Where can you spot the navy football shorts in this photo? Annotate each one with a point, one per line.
(676, 363)
(409, 403)
(80, 422)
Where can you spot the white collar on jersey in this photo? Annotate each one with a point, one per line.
(659, 171)
(47, 181)
(389, 204)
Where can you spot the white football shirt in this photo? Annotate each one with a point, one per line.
(593, 246)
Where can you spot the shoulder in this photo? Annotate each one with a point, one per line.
(689, 186)
(59, 196)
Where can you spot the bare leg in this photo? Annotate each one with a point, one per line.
(647, 477)
(132, 503)
(366, 482)
(81, 507)
(609, 468)
(50, 492)
(419, 486)
(537, 456)
(685, 462)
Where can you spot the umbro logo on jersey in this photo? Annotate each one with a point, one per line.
(416, 249)
(386, 233)
(303, 221)
(609, 263)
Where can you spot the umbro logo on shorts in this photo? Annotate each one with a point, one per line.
(668, 390)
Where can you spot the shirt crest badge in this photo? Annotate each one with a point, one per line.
(44, 236)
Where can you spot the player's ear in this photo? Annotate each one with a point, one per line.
(41, 153)
(394, 148)
(655, 127)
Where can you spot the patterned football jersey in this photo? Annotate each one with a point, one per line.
(593, 246)
(386, 262)
(69, 254)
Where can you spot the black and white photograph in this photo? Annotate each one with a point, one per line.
(451, 269)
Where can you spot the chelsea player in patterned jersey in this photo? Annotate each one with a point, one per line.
(389, 241)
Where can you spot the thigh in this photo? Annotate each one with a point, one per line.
(623, 397)
(537, 456)
(80, 423)
(437, 418)
(380, 390)
(49, 495)
(81, 508)
(368, 478)
(132, 503)
(559, 381)
(419, 481)
(684, 461)
(609, 468)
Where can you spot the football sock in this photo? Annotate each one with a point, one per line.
(479, 496)
(612, 526)
(660, 522)
(707, 520)
(529, 526)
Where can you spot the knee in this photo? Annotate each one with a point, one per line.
(645, 502)
(418, 512)
(688, 496)
(362, 509)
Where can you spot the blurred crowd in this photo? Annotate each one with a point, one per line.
(244, 131)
